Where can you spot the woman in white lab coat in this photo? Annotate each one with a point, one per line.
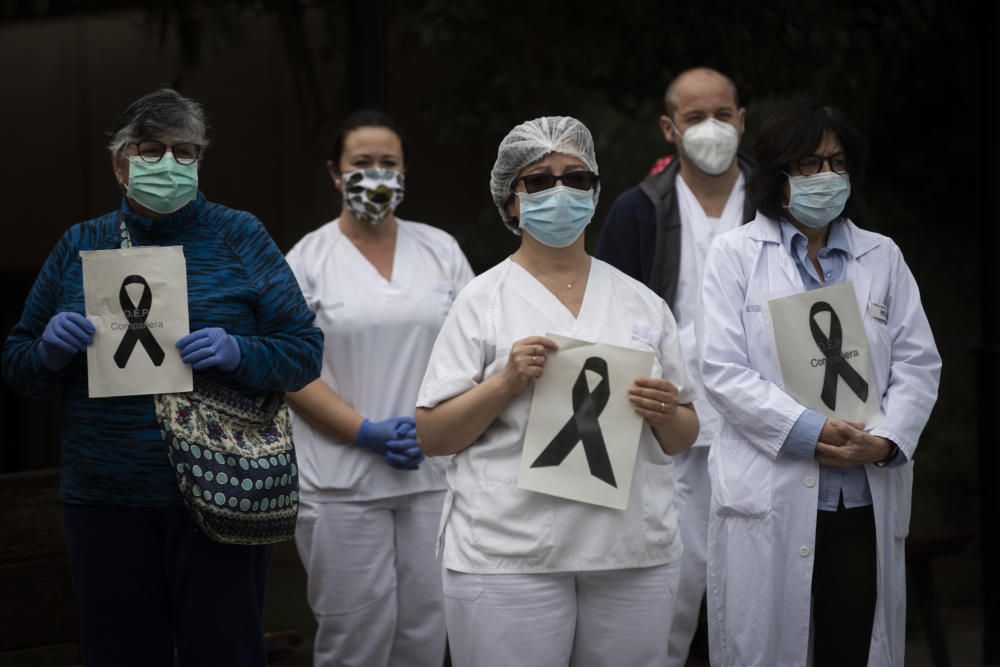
(809, 514)
(530, 578)
(380, 287)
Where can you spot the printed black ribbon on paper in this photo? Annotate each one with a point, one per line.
(136, 316)
(836, 364)
(583, 426)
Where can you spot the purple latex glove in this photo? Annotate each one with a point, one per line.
(375, 436)
(208, 348)
(66, 334)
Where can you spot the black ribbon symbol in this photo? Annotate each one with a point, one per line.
(136, 316)
(583, 426)
(836, 364)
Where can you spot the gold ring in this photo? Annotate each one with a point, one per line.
(663, 406)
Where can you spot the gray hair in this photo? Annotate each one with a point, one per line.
(164, 115)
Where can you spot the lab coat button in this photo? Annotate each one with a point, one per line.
(804, 551)
(810, 482)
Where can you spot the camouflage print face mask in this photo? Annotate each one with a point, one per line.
(373, 194)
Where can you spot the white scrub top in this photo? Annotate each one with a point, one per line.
(378, 337)
(698, 230)
(491, 526)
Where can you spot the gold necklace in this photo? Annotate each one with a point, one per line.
(569, 285)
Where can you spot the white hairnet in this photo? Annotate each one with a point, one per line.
(531, 141)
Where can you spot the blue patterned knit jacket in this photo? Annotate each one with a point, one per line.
(112, 453)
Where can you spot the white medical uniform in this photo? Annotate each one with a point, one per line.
(762, 525)
(694, 492)
(494, 533)
(365, 530)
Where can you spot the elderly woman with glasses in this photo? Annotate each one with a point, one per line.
(149, 583)
(532, 578)
(810, 511)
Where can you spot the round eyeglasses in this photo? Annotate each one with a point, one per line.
(812, 165)
(578, 180)
(153, 151)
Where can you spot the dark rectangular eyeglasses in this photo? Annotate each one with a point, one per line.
(578, 180)
(808, 166)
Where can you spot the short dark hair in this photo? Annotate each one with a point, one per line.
(792, 132)
(357, 120)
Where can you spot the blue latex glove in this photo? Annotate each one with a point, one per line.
(404, 454)
(211, 347)
(375, 436)
(66, 334)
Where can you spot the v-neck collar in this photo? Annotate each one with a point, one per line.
(402, 265)
(535, 291)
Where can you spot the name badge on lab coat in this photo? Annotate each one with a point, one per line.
(583, 434)
(823, 352)
(137, 300)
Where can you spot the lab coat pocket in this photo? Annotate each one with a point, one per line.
(902, 481)
(659, 517)
(511, 522)
(741, 479)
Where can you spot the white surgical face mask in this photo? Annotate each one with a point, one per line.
(710, 144)
(817, 200)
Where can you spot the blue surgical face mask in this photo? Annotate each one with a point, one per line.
(817, 200)
(556, 217)
(164, 186)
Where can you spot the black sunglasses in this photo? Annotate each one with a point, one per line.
(578, 180)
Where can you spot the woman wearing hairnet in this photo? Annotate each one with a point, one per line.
(531, 578)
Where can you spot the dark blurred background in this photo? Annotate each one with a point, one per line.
(918, 77)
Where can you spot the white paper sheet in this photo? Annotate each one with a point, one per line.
(823, 352)
(571, 391)
(137, 300)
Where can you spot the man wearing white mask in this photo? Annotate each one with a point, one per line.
(659, 233)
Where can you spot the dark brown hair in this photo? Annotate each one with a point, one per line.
(356, 121)
(793, 132)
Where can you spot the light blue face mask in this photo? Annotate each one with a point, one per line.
(556, 217)
(817, 200)
(164, 186)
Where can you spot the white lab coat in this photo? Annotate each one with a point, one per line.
(763, 518)
(490, 525)
(378, 336)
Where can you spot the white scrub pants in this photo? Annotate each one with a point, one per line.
(566, 619)
(374, 584)
(692, 496)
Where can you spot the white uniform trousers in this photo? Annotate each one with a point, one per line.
(565, 619)
(692, 496)
(374, 584)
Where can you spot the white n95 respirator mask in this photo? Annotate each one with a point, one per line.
(711, 145)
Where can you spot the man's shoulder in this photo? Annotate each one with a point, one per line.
(633, 204)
